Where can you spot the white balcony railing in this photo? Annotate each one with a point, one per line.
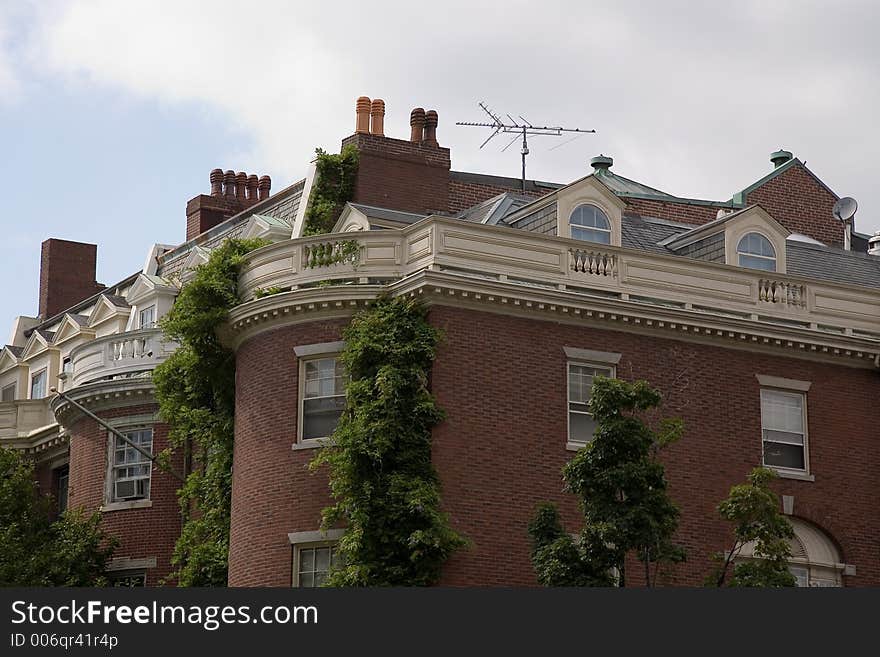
(507, 254)
(117, 355)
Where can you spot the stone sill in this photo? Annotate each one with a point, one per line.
(125, 506)
(800, 476)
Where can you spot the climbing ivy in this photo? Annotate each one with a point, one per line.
(385, 487)
(195, 388)
(333, 188)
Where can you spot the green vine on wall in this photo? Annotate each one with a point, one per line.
(386, 490)
(332, 189)
(195, 388)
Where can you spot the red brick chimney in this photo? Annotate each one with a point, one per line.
(230, 194)
(410, 175)
(67, 275)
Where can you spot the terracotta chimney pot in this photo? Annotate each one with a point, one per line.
(417, 125)
(229, 183)
(216, 182)
(431, 128)
(240, 184)
(264, 185)
(252, 186)
(363, 115)
(377, 117)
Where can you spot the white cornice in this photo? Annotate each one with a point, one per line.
(445, 288)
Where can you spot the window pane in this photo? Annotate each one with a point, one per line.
(589, 216)
(784, 456)
(781, 411)
(306, 560)
(581, 427)
(591, 235)
(783, 437)
(753, 262)
(306, 580)
(800, 575)
(8, 393)
(322, 559)
(321, 415)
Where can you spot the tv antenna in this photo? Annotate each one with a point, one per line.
(522, 127)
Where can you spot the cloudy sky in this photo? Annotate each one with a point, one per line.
(113, 113)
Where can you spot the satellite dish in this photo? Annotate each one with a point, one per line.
(845, 209)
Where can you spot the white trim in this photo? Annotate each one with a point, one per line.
(297, 538)
(124, 506)
(305, 350)
(778, 382)
(574, 353)
(570, 444)
(789, 473)
(127, 563)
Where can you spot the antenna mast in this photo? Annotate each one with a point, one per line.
(525, 129)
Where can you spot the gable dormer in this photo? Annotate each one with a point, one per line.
(109, 315)
(73, 326)
(748, 238)
(196, 256)
(270, 228)
(39, 343)
(585, 210)
(150, 297)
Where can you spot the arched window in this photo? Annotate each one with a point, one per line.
(815, 560)
(590, 224)
(755, 252)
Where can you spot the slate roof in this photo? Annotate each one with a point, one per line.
(117, 300)
(832, 264)
(385, 214)
(16, 351)
(493, 211)
(82, 320)
(637, 232)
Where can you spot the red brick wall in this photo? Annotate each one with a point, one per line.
(502, 382)
(463, 195)
(689, 214)
(273, 492)
(796, 200)
(143, 533)
(203, 212)
(400, 175)
(67, 275)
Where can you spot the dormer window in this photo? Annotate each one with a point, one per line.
(590, 224)
(756, 252)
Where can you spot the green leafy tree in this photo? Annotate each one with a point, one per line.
(195, 388)
(622, 490)
(333, 187)
(386, 490)
(36, 551)
(753, 508)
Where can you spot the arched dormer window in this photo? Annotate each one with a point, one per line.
(590, 224)
(756, 252)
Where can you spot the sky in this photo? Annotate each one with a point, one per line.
(112, 114)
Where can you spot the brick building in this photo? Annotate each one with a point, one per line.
(759, 326)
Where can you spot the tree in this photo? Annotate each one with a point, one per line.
(195, 388)
(621, 486)
(753, 508)
(386, 490)
(34, 550)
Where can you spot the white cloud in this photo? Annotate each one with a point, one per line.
(687, 97)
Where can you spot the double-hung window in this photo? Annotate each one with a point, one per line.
(131, 469)
(784, 430)
(322, 396)
(148, 317)
(38, 385)
(313, 562)
(581, 425)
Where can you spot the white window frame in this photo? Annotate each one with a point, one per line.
(3, 390)
(112, 498)
(300, 541)
(796, 473)
(306, 354)
(572, 226)
(44, 373)
(740, 253)
(570, 444)
(152, 311)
